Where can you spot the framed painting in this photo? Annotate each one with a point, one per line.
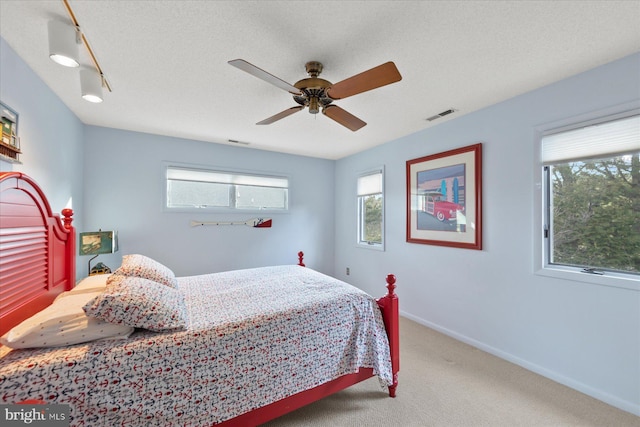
(444, 198)
(10, 142)
(98, 242)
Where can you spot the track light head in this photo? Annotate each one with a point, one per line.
(63, 44)
(91, 85)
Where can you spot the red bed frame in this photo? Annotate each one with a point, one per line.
(37, 250)
(37, 262)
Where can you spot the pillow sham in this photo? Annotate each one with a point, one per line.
(137, 265)
(140, 303)
(63, 323)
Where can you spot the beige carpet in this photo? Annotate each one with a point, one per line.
(444, 382)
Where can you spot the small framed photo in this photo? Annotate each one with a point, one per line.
(98, 242)
(444, 198)
(10, 142)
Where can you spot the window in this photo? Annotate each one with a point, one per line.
(371, 210)
(191, 188)
(591, 197)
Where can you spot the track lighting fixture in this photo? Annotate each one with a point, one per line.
(63, 44)
(63, 49)
(91, 85)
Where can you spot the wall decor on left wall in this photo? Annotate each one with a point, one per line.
(10, 142)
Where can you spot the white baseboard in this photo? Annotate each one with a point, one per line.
(630, 407)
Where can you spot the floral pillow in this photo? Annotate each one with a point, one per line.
(139, 303)
(137, 265)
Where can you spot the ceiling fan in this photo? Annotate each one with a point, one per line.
(318, 94)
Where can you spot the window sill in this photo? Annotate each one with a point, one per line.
(225, 210)
(616, 280)
(372, 247)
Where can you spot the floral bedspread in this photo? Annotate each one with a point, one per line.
(255, 337)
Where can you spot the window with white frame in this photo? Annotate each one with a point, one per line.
(371, 209)
(591, 197)
(193, 188)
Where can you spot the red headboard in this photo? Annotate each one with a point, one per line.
(37, 251)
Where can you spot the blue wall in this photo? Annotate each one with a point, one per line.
(582, 334)
(124, 187)
(51, 136)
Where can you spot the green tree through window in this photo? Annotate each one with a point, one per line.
(371, 209)
(596, 213)
(373, 219)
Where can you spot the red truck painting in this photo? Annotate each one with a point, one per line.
(434, 204)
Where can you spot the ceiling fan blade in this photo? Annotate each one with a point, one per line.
(343, 117)
(280, 115)
(263, 75)
(376, 77)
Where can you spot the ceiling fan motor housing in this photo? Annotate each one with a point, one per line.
(313, 89)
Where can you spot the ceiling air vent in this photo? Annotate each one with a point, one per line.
(235, 141)
(444, 113)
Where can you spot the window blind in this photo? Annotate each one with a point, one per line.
(370, 184)
(607, 138)
(180, 174)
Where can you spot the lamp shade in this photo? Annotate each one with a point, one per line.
(91, 85)
(63, 44)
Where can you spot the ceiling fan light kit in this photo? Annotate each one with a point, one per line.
(318, 94)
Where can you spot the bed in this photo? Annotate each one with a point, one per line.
(236, 348)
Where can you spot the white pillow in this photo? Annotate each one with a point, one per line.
(63, 323)
(96, 281)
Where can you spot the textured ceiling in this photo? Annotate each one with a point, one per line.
(167, 61)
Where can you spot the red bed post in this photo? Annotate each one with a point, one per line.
(390, 314)
(300, 256)
(70, 261)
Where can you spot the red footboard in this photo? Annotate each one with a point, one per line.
(37, 251)
(390, 314)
